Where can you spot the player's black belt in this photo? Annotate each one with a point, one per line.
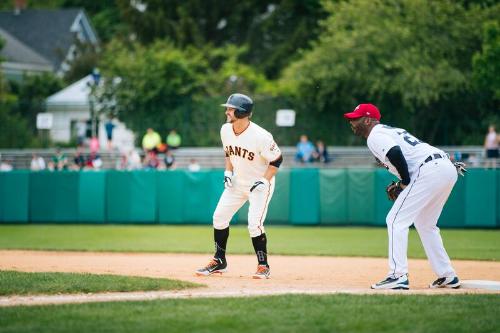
(432, 157)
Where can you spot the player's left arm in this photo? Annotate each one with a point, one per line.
(396, 157)
(272, 169)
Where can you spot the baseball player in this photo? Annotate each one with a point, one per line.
(427, 177)
(252, 159)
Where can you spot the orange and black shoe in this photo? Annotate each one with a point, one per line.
(263, 272)
(215, 266)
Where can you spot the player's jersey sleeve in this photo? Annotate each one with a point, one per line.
(269, 150)
(380, 143)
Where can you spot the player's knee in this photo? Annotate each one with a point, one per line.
(219, 221)
(255, 230)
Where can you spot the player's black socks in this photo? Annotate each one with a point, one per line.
(260, 247)
(220, 237)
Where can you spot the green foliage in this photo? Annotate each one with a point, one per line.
(487, 62)
(31, 95)
(19, 283)
(409, 57)
(87, 58)
(339, 241)
(287, 313)
(14, 131)
(273, 31)
(154, 82)
(174, 86)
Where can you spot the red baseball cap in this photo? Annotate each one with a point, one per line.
(364, 110)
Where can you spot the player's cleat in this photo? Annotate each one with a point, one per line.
(215, 266)
(263, 272)
(446, 282)
(393, 283)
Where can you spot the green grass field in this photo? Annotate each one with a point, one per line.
(20, 283)
(334, 313)
(290, 313)
(339, 241)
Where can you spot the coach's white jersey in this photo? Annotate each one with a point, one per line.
(382, 138)
(250, 152)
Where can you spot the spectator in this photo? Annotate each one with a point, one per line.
(78, 160)
(491, 147)
(321, 153)
(305, 150)
(150, 140)
(6, 165)
(151, 161)
(81, 132)
(94, 161)
(473, 161)
(169, 160)
(173, 139)
(59, 161)
(122, 162)
(109, 126)
(94, 144)
(194, 166)
(133, 160)
(37, 163)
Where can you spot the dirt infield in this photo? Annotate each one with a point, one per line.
(290, 274)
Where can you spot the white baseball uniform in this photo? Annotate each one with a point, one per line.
(250, 153)
(432, 176)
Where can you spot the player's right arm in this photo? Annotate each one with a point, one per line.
(228, 173)
(229, 165)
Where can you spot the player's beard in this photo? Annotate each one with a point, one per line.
(230, 119)
(356, 130)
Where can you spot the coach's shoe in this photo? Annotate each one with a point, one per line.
(393, 283)
(263, 272)
(215, 266)
(446, 282)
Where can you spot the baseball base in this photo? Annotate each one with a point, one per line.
(481, 284)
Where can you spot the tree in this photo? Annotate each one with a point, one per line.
(271, 32)
(412, 58)
(14, 133)
(31, 95)
(154, 82)
(486, 63)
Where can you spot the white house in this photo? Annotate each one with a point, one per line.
(71, 105)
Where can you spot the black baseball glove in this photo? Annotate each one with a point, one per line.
(393, 190)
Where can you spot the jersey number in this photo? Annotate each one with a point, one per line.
(410, 139)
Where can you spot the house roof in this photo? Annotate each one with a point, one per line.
(49, 33)
(76, 94)
(14, 49)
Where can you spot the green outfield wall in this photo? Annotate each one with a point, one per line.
(302, 197)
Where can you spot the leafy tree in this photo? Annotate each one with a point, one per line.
(276, 37)
(31, 95)
(154, 81)
(14, 131)
(162, 86)
(86, 59)
(411, 58)
(272, 32)
(487, 62)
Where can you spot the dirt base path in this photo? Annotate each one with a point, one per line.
(289, 274)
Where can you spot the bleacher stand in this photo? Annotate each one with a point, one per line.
(213, 157)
